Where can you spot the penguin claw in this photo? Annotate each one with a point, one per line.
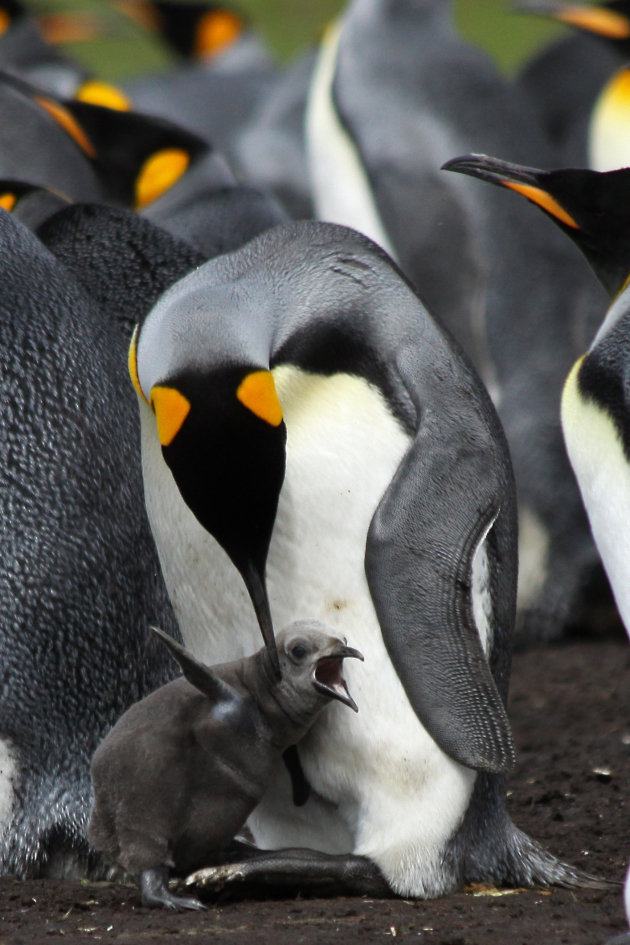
(215, 876)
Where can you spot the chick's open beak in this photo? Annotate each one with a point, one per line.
(328, 677)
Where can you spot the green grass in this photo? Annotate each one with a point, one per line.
(291, 25)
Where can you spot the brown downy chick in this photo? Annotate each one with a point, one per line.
(181, 771)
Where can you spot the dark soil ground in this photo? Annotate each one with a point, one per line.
(570, 708)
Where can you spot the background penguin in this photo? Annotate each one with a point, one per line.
(309, 333)
(138, 161)
(591, 208)
(161, 803)
(25, 51)
(394, 91)
(594, 94)
(42, 144)
(250, 108)
(80, 581)
(566, 78)
(201, 31)
(213, 95)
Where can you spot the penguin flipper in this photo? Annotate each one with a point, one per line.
(198, 674)
(451, 490)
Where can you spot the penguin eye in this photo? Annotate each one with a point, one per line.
(299, 651)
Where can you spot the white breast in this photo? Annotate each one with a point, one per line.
(603, 474)
(609, 129)
(384, 787)
(341, 189)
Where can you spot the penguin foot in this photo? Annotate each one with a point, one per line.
(296, 870)
(153, 885)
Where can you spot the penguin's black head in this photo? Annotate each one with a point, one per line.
(223, 437)
(591, 207)
(197, 30)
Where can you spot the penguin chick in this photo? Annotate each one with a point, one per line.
(181, 770)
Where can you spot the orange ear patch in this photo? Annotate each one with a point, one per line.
(544, 200)
(171, 409)
(8, 201)
(67, 121)
(216, 30)
(95, 92)
(257, 392)
(5, 20)
(159, 172)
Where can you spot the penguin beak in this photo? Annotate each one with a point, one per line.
(526, 181)
(255, 583)
(492, 170)
(328, 678)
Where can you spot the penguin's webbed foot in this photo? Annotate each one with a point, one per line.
(153, 885)
(296, 870)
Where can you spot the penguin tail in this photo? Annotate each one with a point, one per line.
(529, 864)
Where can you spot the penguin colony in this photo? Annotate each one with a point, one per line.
(348, 367)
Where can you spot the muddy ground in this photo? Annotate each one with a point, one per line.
(570, 708)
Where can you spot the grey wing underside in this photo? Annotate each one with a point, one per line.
(452, 491)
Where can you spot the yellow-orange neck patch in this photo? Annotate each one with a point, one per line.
(257, 392)
(171, 409)
(216, 30)
(544, 200)
(8, 201)
(95, 92)
(132, 365)
(159, 172)
(5, 20)
(598, 20)
(69, 124)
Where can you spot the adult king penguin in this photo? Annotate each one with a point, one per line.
(566, 78)
(305, 420)
(394, 91)
(79, 575)
(592, 208)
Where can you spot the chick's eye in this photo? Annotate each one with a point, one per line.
(299, 651)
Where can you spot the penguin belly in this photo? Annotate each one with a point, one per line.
(608, 139)
(342, 191)
(601, 467)
(381, 786)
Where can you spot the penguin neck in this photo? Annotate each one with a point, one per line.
(279, 707)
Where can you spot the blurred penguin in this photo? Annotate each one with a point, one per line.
(395, 89)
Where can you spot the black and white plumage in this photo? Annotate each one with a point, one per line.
(396, 93)
(390, 513)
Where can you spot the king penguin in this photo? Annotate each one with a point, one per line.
(313, 443)
(592, 209)
(394, 90)
(80, 582)
(565, 80)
